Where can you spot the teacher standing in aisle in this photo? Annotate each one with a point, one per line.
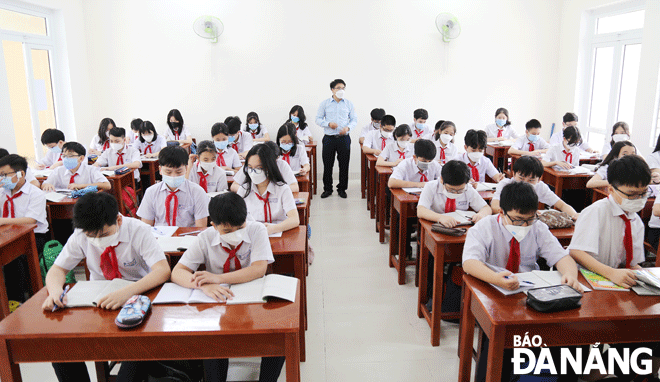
(336, 116)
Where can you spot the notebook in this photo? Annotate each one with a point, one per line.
(108, 172)
(42, 173)
(54, 196)
(88, 293)
(533, 279)
(599, 282)
(463, 217)
(648, 282)
(176, 243)
(145, 159)
(485, 186)
(229, 172)
(163, 231)
(413, 190)
(501, 143)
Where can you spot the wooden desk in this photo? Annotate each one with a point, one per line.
(605, 317)
(176, 331)
(497, 152)
(562, 180)
(149, 169)
(404, 207)
(118, 183)
(304, 185)
(371, 184)
(447, 249)
(311, 152)
(363, 173)
(62, 210)
(382, 176)
(303, 209)
(17, 240)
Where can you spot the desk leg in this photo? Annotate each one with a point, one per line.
(292, 360)
(403, 243)
(299, 269)
(9, 372)
(33, 264)
(4, 300)
(466, 338)
(377, 201)
(382, 208)
(495, 352)
(420, 237)
(363, 174)
(559, 188)
(50, 222)
(316, 170)
(438, 273)
(394, 236)
(422, 297)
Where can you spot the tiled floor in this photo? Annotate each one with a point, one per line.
(363, 326)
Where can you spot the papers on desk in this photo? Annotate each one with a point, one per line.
(590, 167)
(175, 243)
(413, 190)
(531, 280)
(502, 143)
(580, 170)
(485, 186)
(42, 173)
(108, 172)
(145, 159)
(462, 217)
(277, 234)
(229, 172)
(586, 155)
(55, 196)
(163, 231)
(88, 293)
(648, 282)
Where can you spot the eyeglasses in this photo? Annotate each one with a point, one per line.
(70, 156)
(338, 88)
(255, 170)
(7, 175)
(458, 192)
(522, 222)
(646, 194)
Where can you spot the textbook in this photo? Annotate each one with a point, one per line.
(255, 291)
(463, 217)
(88, 293)
(485, 186)
(531, 280)
(648, 282)
(599, 282)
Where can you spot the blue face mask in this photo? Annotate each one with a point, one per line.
(7, 184)
(500, 122)
(221, 145)
(419, 126)
(286, 146)
(55, 149)
(253, 126)
(533, 138)
(173, 181)
(232, 139)
(70, 163)
(295, 119)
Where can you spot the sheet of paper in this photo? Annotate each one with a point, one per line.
(277, 234)
(171, 244)
(108, 172)
(485, 186)
(145, 159)
(112, 286)
(198, 297)
(413, 190)
(280, 286)
(248, 293)
(554, 278)
(229, 172)
(54, 197)
(163, 231)
(45, 172)
(172, 293)
(83, 293)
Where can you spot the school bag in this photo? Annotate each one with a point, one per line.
(176, 371)
(51, 250)
(130, 201)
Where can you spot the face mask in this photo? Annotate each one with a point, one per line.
(70, 163)
(8, 185)
(55, 149)
(386, 134)
(452, 195)
(633, 206)
(376, 125)
(572, 146)
(207, 166)
(423, 166)
(403, 144)
(233, 238)
(500, 122)
(620, 137)
(107, 133)
(445, 138)
(148, 138)
(117, 146)
(173, 181)
(286, 146)
(258, 176)
(518, 232)
(340, 94)
(295, 119)
(231, 139)
(475, 156)
(175, 125)
(420, 126)
(253, 126)
(220, 146)
(533, 138)
(104, 242)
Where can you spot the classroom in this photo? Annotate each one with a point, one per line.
(172, 209)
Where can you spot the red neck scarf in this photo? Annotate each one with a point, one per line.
(202, 180)
(422, 177)
(499, 133)
(268, 217)
(72, 178)
(627, 240)
(170, 214)
(9, 206)
(120, 158)
(475, 172)
(402, 154)
(220, 160)
(568, 155)
(109, 264)
(450, 205)
(383, 143)
(106, 145)
(286, 157)
(148, 148)
(232, 255)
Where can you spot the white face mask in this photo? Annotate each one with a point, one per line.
(104, 242)
(403, 144)
(445, 138)
(234, 238)
(386, 134)
(451, 195)
(633, 206)
(620, 137)
(148, 138)
(475, 156)
(258, 177)
(117, 146)
(518, 232)
(207, 166)
(340, 94)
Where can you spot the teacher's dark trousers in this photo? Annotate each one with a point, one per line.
(340, 146)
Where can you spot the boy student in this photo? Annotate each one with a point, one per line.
(529, 170)
(567, 154)
(376, 140)
(120, 154)
(175, 201)
(241, 141)
(233, 251)
(569, 119)
(418, 170)
(53, 139)
(29, 177)
(531, 143)
(475, 144)
(113, 246)
(420, 128)
(227, 158)
(74, 173)
(376, 116)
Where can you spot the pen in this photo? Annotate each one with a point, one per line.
(61, 297)
(191, 232)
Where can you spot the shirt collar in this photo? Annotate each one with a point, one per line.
(617, 210)
(216, 240)
(270, 188)
(77, 171)
(124, 236)
(163, 187)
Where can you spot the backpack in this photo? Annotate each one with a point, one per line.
(129, 200)
(51, 250)
(176, 371)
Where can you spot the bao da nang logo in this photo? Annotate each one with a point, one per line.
(577, 360)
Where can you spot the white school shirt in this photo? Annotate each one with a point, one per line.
(368, 128)
(558, 137)
(297, 161)
(558, 153)
(653, 160)
(484, 166)
(208, 249)
(30, 204)
(602, 171)
(490, 242)
(193, 204)
(507, 131)
(425, 133)
(599, 231)
(216, 178)
(522, 143)
(392, 152)
(109, 158)
(50, 158)
(29, 176)
(60, 177)
(280, 199)
(261, 133)
(606, 148)
(136, 253)
(232, 160)
(451, 152)
(156, 145)
(543, 192)
(244, 142)
(374, 140)
(655, 221)
(184, 134)
(408, 171)
(303, 134)
(285, 170)
(434, 198)
(96, 144)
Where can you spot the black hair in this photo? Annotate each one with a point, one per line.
(103, 127)
(173, 156)
(528, 165)
(75, 147)
(519, 196)
(118, 132)
(218, 128)
(177, 115)
(146, 127)
(288, 129)
(337, 82)
(206, 146)
(377, 114)
(625, 127)
(15, 162)
(630, 170)
(51, 136)
(455, 173)
(273, 146)
(301, 116)
(614, 153)
(252, 115)
(440, 126)
(476, 139)
(572, 135)
(95, 210)
(532, 124)
(570, 117)
(388, 120)
(228, 208)
(425, 149)
(402, 130)
(657, 145)
(233, 124)
(3, 153)
(136, 124)
(505, 112)
(268, 157)
(421, 114)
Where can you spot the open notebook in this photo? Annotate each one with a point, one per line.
(463, 217)
(88, 293)
(485, 186)
(255, 291)
(531, 280)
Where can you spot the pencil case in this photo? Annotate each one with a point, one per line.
(439, 228)
(133, 312)
(553, 298)
(79, 193)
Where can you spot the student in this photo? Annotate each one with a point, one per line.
(255, 128)
(418, 170)
(227, 157)
(451, 193)
(113, 246)
(444, 141)
(100, 141)
(620, 133)
(285, 170)
(238, 140)
(531, 143)
(420, 129)
(74, 173)
(149, 143)
(233, 251)
(266, 195)
(376, 115)
(297, 117)
(654, 163)
(376, 140)
(203, 170)
(501, 130)
(569, 119)
(29, 177)
(176, 130)
(135, 129)
(292, 151)
(609, 236)
(619, 150)
(53, 139)
(120, 154)
(175, 201)
(529, 169)
(397, 151)
(653, 231)
(567, 154)
(480, 166)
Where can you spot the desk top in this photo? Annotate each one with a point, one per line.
(564, 174)
(405, 197)
(65, 201)
(310, 144)
(10, 232)
(371, 157)
(384, 170)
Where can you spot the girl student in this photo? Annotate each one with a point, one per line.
(297, 117)
(501, 130)
(400, 149)
(176, 130)
(135, 131)
(292, 152)
(620, 133)
(100, 141)
(149, 143)
(444, 141)
(203, 170)
(618, 150)
(254, 127)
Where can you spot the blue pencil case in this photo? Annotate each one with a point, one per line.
(133, 312)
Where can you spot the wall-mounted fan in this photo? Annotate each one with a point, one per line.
(448, 26)
(208, 27)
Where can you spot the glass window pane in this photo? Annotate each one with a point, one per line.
(43, 91)
(600, 91)
(622, 22)
(21, 22)
(595, 140)
(629, 75)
